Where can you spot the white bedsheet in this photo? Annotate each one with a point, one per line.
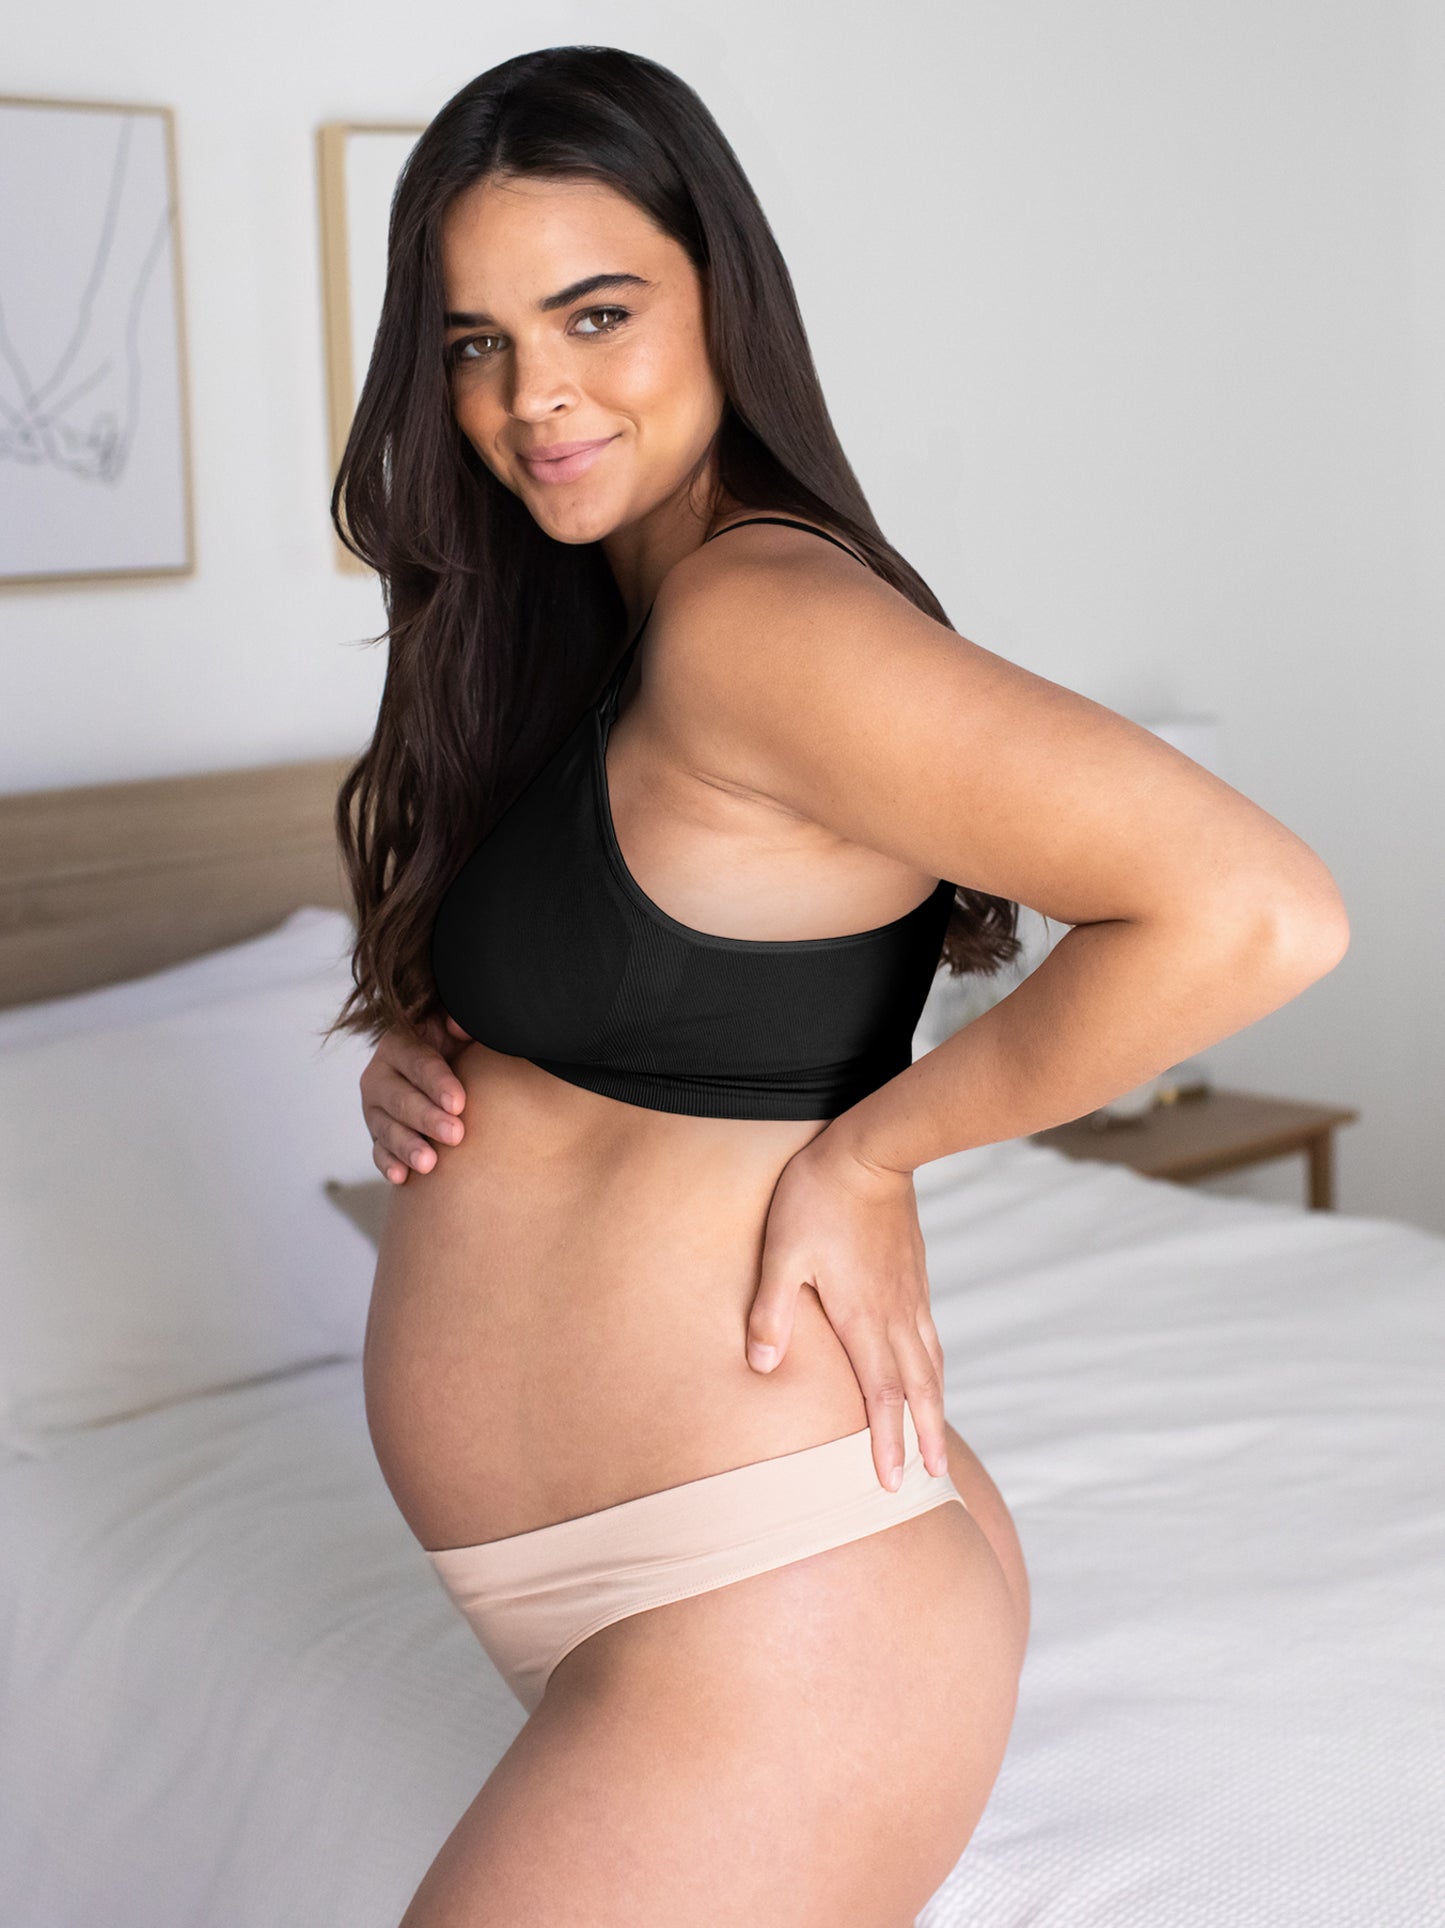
(235, 1696)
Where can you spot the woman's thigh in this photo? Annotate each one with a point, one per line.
(803, 1748)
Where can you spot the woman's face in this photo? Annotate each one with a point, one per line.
(539, 359)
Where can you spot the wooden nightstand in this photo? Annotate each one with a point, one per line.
(1218, 1131)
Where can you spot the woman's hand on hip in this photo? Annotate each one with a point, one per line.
(851, 1231)
(409, 1093)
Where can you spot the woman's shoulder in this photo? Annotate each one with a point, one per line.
(748, 577)
(757, 622)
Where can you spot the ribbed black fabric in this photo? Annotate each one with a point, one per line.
(545, 947)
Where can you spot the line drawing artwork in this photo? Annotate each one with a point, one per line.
(92, 435)
(87, 427)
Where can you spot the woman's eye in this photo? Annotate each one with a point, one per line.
(458, 350)
(592, 312)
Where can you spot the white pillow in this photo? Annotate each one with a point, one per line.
(163, 1227)
(310, 939)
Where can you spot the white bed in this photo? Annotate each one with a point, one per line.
(235, 1696)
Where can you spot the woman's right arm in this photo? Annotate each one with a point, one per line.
(409, 1093)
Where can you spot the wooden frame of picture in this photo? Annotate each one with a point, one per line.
(95, 429)
(357, 166)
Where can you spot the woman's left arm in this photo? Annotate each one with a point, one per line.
(1192, 914)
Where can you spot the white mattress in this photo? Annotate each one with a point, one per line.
(236, 1697)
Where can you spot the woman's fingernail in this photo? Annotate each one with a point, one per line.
(764, 1357)
(895, 1478)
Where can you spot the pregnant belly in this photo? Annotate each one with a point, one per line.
(559, 1315)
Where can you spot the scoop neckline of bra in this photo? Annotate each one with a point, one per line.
(603, 714)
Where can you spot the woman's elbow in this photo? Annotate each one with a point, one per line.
(1300, 924)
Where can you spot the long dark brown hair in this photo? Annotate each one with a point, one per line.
(498, 635)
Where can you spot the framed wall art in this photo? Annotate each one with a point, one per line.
(95, 465)
(357, 166)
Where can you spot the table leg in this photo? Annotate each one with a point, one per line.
(1322, 1170)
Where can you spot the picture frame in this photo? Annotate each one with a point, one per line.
(358, 163)
(95, 429)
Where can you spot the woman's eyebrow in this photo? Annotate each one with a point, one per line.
(466, 318)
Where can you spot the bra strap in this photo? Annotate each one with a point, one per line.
(788, 522)
(612, 689)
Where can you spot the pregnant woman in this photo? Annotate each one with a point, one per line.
(681, 789)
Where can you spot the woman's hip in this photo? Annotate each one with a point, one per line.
(807, 1745)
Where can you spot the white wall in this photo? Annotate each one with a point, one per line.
(1129, 316)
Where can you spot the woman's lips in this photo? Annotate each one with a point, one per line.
(566, 467)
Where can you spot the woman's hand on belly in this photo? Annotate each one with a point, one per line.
(852, 1233)
(409, 1093)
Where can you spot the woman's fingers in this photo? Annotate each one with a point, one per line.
(894, 1371)
(393, 1148)
(923, 1383)
(388, 1094)
(770, 1320)
(387, 1165)
(426, 1068)
(402, 1118)
(928, 1332)
(409, 1094)
(866, 1344)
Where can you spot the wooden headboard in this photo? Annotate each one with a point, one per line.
(110, 880)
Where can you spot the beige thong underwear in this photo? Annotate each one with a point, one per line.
(532, 1597)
